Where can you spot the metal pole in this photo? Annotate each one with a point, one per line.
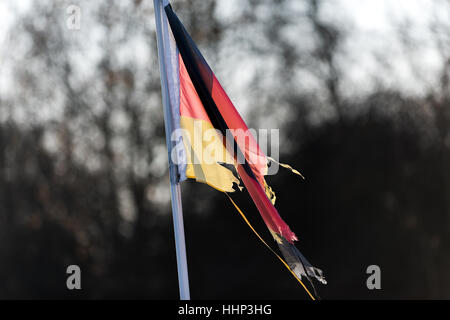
(177, 210)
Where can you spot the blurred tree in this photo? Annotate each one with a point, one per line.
(83, 173)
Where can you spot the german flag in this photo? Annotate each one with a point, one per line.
(209, 134)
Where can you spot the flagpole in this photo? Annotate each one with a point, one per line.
(177, 210)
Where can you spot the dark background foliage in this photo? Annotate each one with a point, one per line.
(83, 174)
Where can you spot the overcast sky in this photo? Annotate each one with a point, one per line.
(371, 26)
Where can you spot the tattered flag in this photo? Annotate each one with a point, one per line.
(199, 106)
